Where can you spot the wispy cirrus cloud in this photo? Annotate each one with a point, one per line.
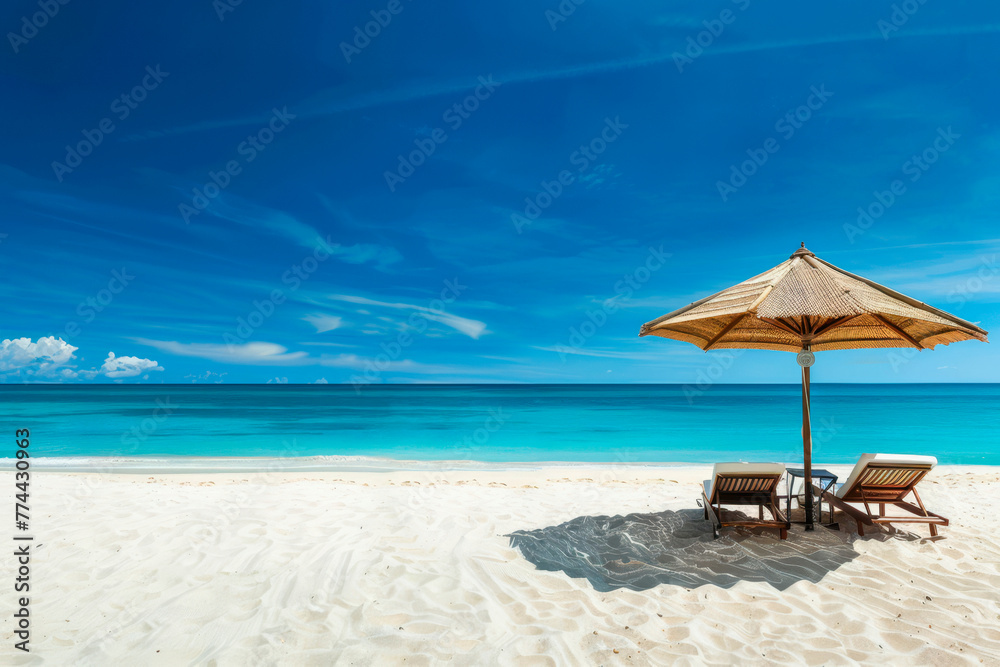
(323, 322)
(244, 212)
(364, 253)
(253, 354)
(471, 328)
(335, 102)
(607, 354)
(257, 217)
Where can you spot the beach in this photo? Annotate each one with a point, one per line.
(417, 567)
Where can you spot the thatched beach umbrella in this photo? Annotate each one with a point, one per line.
(806, 305)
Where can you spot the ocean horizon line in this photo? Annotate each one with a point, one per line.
(474, 384)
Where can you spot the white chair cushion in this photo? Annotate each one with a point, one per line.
(900, 459)
(741, 467)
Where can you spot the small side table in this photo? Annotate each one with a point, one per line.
(826, 481)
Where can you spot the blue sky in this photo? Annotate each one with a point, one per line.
(487, 193)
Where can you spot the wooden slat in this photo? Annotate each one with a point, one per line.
(833, 324)
(842, 505)
(902, 334)
(916, 510)
(758, 300)
(779, 324)
(726, 329)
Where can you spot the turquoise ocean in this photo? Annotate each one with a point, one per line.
(958, 423)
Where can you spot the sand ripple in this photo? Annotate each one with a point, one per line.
(554, 567)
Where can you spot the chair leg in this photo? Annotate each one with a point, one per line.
(784, 533)
(881, 509)
(933, 530)
(760, 512)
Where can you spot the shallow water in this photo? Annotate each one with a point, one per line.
(958, 423)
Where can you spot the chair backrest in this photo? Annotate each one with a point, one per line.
(885, 477)
(751, 481)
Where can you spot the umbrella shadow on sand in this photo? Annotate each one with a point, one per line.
(642, 551)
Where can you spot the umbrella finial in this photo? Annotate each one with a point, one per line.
(803, 250)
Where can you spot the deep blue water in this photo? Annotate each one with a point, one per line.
(958, 423)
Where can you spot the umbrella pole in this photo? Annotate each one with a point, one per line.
(807, 447)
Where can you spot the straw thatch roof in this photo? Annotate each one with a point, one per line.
(808, 301)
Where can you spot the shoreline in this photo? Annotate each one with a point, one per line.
(358, 464)
(319, 464)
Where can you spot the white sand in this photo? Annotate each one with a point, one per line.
(416, 568)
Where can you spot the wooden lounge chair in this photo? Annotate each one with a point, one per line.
(745, 484)
(885, 479)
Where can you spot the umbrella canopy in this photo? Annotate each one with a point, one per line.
(807, 300)
(808, 305)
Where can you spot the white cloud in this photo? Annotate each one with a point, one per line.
(126, 367)
(245, 212)
(278, 380)
(401, 366)
(207, 376)
(344, 361)
(609, 354)
(471, 328)
(324, 323)
(252, 354)
(321, 381)
(42, 358)
(360, 253)
(326, 344)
